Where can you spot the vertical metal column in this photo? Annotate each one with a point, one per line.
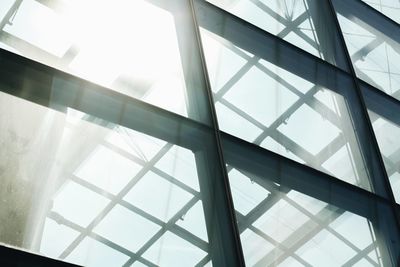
(223, 234)
(386, 223)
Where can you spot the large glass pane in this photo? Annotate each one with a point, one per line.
(263, 103)
(283, 227)
(306, 24)
(104, 42)
(87, 191)
(373, 44)
(387, 134)
(390, 8)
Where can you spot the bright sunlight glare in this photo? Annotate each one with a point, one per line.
(127, 45)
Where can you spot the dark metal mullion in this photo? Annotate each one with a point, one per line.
(381, 103)
(377, 24)
(224, 240)
(224, 24)
(250, 157)
(220, 22)
(273, 133)
(388, 19)
(377, 173)
(31, 51)
(374, 162)
(304, 98)
(278, 136)
(331, 49)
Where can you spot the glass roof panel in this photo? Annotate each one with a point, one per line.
(316, 126)
(92, 253)
(77, 203)
(56, 238)
(180, 164)
(171, 250)
(157, 196)
(107, 169)
(246, 194)
(126, 228)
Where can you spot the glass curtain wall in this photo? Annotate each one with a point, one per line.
(200, 133)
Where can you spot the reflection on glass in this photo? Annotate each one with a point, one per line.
(305, 24)
(387, 135)
(282, 227)
(282, 112)
(96, 195)
(104, 42)
(375, 54)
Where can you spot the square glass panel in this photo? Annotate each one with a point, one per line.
(276, 109)
(87, 191)
(387, 134)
